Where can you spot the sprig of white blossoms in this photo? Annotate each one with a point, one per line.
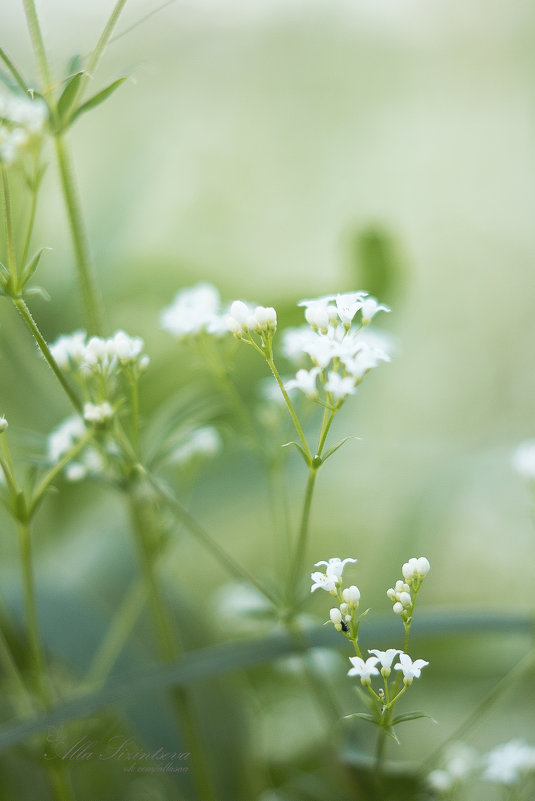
(63, 439)
(508, 764)
(21, 120)
(95, 363)
(195, 310)
(365, 669)
(340, 357)
(414, 571)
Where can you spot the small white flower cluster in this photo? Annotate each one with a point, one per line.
(340, 356)
(65, 437)
(201, 443)
(508, 764)
(194, 310)
(414, 571)
(365, 669)
(244, 319)
(95, 363)
(331, 579)
(21, 119)
(459, 763)
(524, 459)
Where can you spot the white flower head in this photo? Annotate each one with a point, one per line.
(411, 670)
(524, 459)
(340, 387)
(97, 413)
(364, 669)
(193, 310)
(305, 381)
(68, 350)
(351, 596)
(415, 569)
(385, 658)
(64, 437)
(323, 581)
(348, 304)
(369, 309)
(126, 348)
(3, 424)
(509, 762)
(335, 565)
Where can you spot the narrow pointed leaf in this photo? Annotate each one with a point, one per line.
(68, 96)
(75, 64)
(38, 290)
(32, 265)
(411, 716)
(389, 731)
(19, 80)
(363, 716)
(337, 446)
(299, 448)
(97, 99)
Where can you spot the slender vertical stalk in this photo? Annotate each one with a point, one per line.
(12, 259)
(169, 648)
(297, 563)
(290, 406)
(90, 294)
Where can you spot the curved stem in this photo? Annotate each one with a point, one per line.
(25, 313)
(90, 294)
(291, 409)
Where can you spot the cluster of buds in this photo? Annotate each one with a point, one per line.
(243, 319)
(342, 616)
(414, 571)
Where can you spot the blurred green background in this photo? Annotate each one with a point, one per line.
(282, 150)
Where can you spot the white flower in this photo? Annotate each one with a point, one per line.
(416, 568)
(506, 763)
(3, 424)
(340, 387)
(366, 358)
(524, 459)
(126, 348)
(385, 658)
(440, 781)
(193, 310)
(364, 669)
(203, 442)
(369, 309)
(398, 608)
(323, 581)
(335, 566)
(64, 437)
(411, 670)
(348, 304)
(335, 616)
(321, 349)
(68, 350)
(305, 380)
(97, 413)
(351, 595)
(295, 341)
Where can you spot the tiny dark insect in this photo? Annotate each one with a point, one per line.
(344, 626)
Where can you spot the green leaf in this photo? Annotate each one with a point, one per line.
(19, 80)
(40, 291)
(411, 716)
(32, 265)
(338, 445)
(75, 64)
(389, 731)
(299, 448)
(68, 96)
(363, 716)
(97, 99)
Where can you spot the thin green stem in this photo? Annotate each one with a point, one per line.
(47, 480)
(104, 36)
(37, 41)
(31, 221)
(13, 70)
(300, 549)
(12, 259)
(290, 406)
(134, 411)
(90, 294)
(326, 425)
(199, 533)
(25, 313)
(117, 634)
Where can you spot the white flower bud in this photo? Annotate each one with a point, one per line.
(398, 608)
(400, 586)
(3, 425)
(233, 325)
(335, 615)
(97, 413)
(344, 609)
(239, 311)
(405, 598)
(266, 316)
(423, 566)
(351, 595)
(407, 570)
(391, 593)
(252, 323)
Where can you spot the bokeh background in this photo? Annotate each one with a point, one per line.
(283, 149)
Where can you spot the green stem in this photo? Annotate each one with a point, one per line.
(104, 36)
(117, 634)
(12, 259)
(297, 564)
(37, 41)
(13, 70)
(47, 480)
(325, 429)
(169, 647)
(31, 220)
(90, 294)
(25, 313)
(198, 531)
(291, 409)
